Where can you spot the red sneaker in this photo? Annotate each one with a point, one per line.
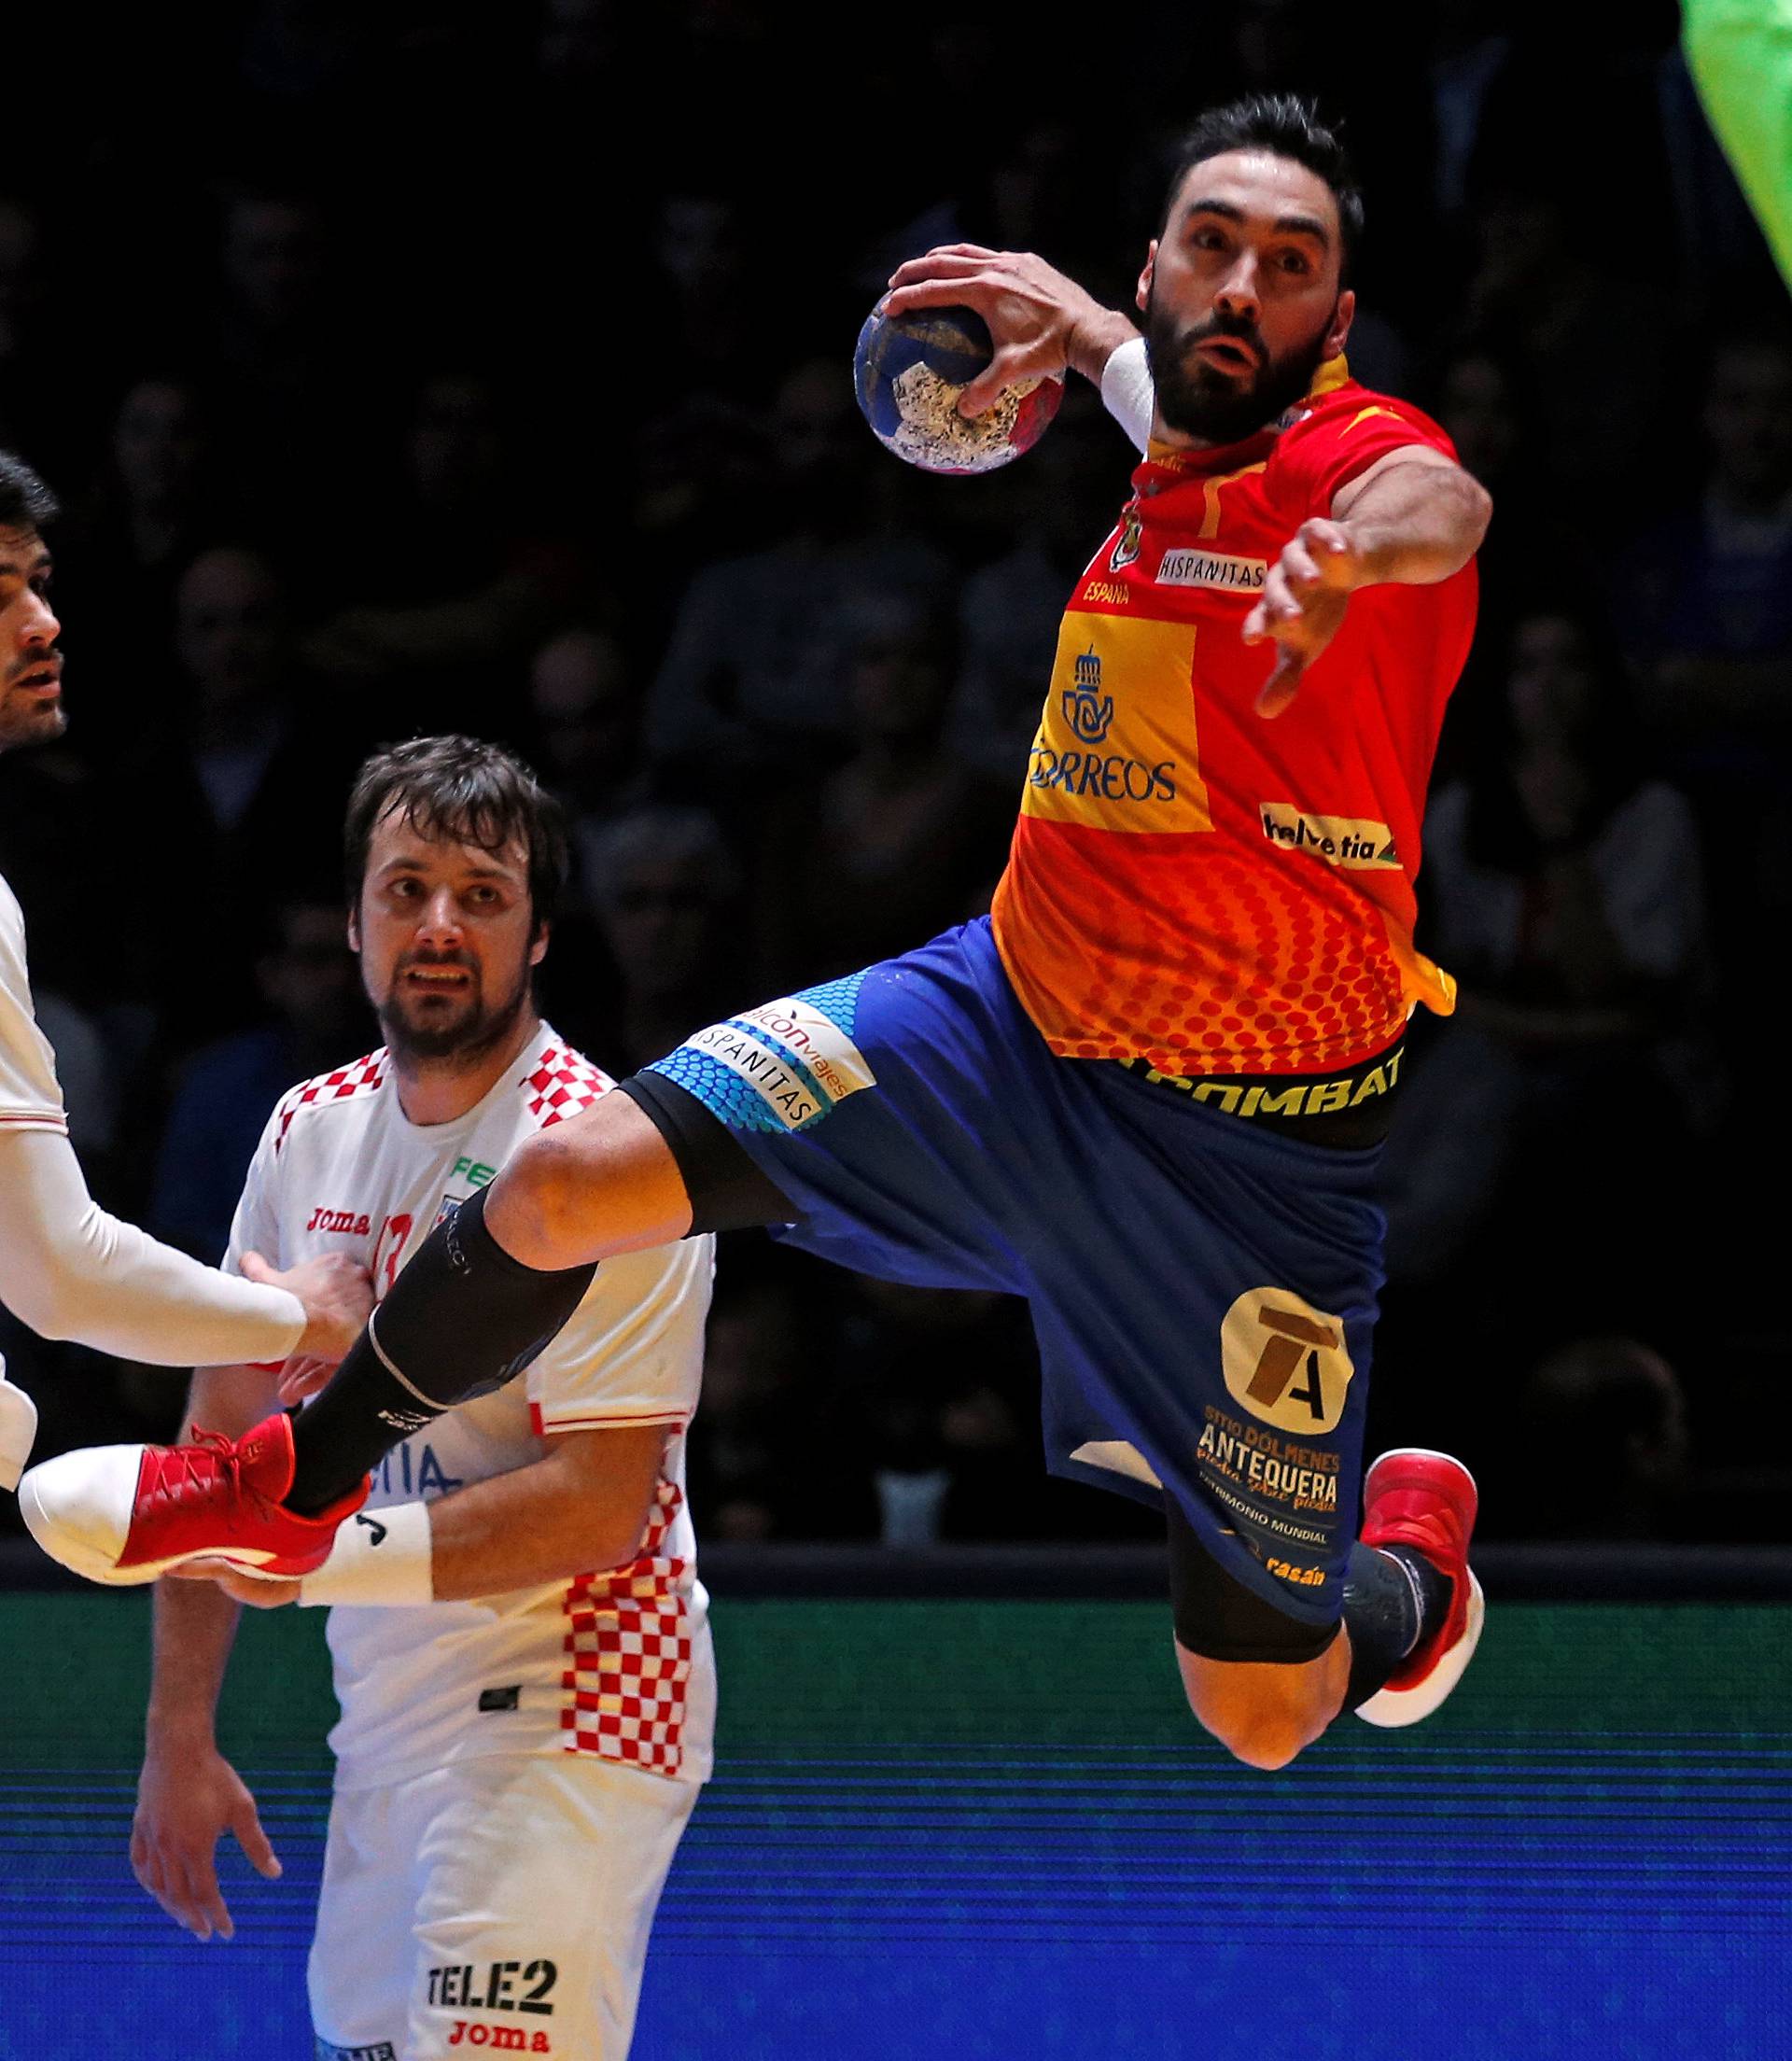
(1426, 1500)
(125, 1514)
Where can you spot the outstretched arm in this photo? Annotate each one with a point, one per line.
(71, 1271)
(1411, 519)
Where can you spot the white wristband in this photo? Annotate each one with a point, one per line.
(379, 1557)
(1127, 393)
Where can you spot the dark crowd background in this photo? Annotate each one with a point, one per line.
(486, 367)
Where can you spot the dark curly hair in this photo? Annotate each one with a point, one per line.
(1287, 126)
(466, 790)
(25, 501)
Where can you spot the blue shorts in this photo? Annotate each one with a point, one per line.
(1203, 1293)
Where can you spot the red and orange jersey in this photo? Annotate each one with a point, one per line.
(1189, 884)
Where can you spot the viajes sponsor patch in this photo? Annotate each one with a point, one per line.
(797, 1063)
(815, 1042)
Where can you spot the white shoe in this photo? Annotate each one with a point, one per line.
(18, 1430)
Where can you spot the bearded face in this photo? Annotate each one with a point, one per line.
(436, 1006)
(1216, 378)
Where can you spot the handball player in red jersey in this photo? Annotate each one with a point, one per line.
(1148, 1093)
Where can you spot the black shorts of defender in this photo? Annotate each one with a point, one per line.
(1216, 1618)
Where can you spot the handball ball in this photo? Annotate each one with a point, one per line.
(908, 371)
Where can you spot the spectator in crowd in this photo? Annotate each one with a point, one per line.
(754, 1462)
(259, 750)
(41, 396)
(664, 887)
(1708, 594)
(313, 1020)
(1496, 425)
(1565, 891)
(894, 842)
(715, 336)
(935, 1398)
(588, 728)
(291, 375)
(160, 446)
(1605, 1442)
(124, 553)
(586, 737)
(749, 695)
(460, 582)
(1539, 296)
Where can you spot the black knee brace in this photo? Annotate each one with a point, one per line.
(464, 1317)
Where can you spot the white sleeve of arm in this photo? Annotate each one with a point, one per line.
(70, 1271)
(1127, 393)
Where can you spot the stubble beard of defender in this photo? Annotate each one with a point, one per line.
(465, 1041)
(1196, 399)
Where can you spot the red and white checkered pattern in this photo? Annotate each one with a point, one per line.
(359, 1077)
(562, 1082)
(629, 1646)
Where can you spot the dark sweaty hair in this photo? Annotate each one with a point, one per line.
(25, 501)
(1287, 126)
(463, 789)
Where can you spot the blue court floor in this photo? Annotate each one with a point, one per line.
(987, 1829)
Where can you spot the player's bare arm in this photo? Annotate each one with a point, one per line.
(582, 1507)
(188, 1796)
(602, 1182)
(1041, 321)
(1412, 519)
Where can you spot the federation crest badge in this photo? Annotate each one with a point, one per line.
(1126, 548)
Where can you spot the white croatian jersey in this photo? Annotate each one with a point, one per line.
(615, 1663)
(31, 1097)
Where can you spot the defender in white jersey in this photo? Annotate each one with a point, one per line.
(520, 1642)
(67, 1269)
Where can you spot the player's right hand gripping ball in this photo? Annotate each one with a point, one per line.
(908, 371)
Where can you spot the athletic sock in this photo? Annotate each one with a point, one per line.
(462, 1319)
(1394, 1598)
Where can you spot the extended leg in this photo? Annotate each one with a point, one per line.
(464, 1316)
(489, 1288)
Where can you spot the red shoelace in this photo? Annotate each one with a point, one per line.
(188, 1473)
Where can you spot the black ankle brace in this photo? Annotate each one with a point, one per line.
(1392, 1596)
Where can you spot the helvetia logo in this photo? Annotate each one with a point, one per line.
(1088, 711)
(1353, 841)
